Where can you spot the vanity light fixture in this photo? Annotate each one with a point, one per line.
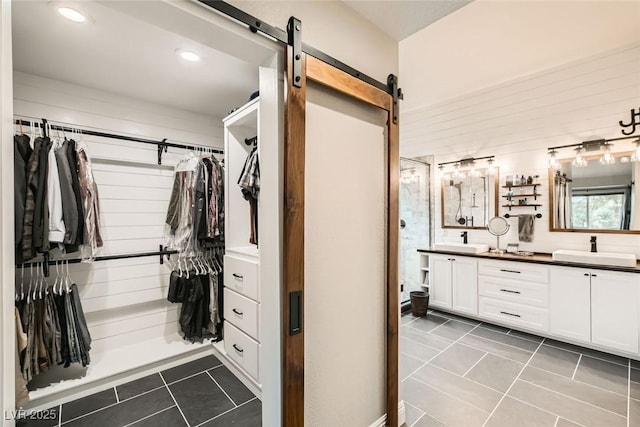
(469, 164)
(604, 145)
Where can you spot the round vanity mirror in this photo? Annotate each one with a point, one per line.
(498, 226)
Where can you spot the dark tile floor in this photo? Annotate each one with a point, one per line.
(199, 393)
(462, 373)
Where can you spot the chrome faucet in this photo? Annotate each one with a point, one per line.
(594, 247)
(464, 236)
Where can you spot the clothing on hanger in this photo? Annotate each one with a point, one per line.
(56, 198)
(249, 183)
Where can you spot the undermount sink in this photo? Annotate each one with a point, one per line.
(466, 248)
(597, 258)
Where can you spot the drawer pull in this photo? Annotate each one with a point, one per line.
(238, 313)
(237, 276)
(510, 291)
(594, 275)
(509, 271)
(586, 274)
(238, 349)
(510, 314)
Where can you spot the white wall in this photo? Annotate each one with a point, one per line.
(336, 29)
(516, 121)
(7, 323)
(124, 300)
(489, 42)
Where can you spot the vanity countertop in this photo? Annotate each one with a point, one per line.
(537, 258)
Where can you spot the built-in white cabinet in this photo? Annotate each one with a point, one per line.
(569, 302)
(440, 281)
(614, 310)
(453, 283)
(514, 293)
(595, 306)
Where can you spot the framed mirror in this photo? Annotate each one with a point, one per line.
(595, 197)
(469, 200)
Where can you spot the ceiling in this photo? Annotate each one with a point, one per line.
(402, 18)
(124, 55)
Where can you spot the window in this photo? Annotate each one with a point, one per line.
(599, 209)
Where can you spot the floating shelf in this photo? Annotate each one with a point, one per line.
(520, 185)
(534, 206)
(521, 195)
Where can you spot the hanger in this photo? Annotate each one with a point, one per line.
(68, 281)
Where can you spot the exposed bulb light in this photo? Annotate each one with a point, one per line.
(635, 157)
(456, 171)
(491, 165)
(579, 161)
(187, 55)
(553, 159)
(72, 14)
(607, 157)
(472, 169)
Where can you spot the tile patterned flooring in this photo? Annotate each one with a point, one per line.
(199, 393)
(462, 373)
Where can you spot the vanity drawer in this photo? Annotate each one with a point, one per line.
(242, 349)
(514, 270)
(533, 318)
(241, 312)
(241, 276)
(528, 293)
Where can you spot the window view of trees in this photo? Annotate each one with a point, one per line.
(604, 211)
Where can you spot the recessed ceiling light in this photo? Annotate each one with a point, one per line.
(72, 14)
(189, 56)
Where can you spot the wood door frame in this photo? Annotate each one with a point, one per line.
(329, 76)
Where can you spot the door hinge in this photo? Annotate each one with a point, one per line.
(294, 31)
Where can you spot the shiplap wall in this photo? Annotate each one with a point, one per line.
(518, 120)
(124, 300)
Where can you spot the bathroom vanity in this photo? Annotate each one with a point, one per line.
(595, 306)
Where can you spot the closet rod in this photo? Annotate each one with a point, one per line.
(162, 145)
(160, 253)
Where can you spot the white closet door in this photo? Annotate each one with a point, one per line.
(345, 203)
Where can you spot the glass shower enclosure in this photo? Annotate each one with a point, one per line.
(415, 227)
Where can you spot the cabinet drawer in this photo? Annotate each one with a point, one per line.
(514, 270)
(242, 312)
(534, 318)
(528, 293)
(241, 276)
(241, 349)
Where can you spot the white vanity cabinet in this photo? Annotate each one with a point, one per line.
(569, 303)
(596, 306)
(453, 283)
(614, 310)
(514, 293)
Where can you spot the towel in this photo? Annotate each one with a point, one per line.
(525, 228)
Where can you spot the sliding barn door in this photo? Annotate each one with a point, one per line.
(340, 251)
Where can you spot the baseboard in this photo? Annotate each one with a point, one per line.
(382, 421)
